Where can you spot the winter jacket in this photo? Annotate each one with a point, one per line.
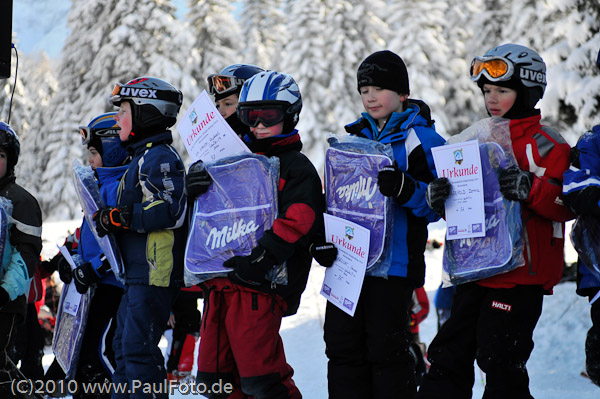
(300, 207)
(412, 135)
(153, 187)
(89, 250)
(14, 277)
(543, 152)
(26, 231)
(584, 172)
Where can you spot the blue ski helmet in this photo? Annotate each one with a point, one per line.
(274, 89)
(230, 79)
(102, 133)
(10, 142)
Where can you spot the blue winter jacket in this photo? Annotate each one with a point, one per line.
(412, 135)
(154, 187)
(89, 250)
(14, 277)
(584, 172)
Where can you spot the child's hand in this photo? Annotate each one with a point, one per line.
(394, 183)
(112, 219)
(325, 253)
(515, 183)
(437, 193)
(84, 275)
(197, 180)
(251, 269)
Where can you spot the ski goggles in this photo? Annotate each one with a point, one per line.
(220, 84)
(269, 115)
(88, 133)
(494, 68)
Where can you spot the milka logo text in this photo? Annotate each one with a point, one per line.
(220, 238)
(362, 188)
(133, 92)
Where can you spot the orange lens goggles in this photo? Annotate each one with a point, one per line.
(219, 84)
(494, 68)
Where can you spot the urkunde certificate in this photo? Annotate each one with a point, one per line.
(343, 280)
(460, 163)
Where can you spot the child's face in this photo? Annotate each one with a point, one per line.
(227, 105)
(262, 132)
(3, 162)
(95, 159)
(380, 103)
(498, 100)
(124, 121)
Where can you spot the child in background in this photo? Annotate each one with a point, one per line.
(148, 223)
(492, 320)
(369, 353)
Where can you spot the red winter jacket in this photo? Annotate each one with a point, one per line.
(545, 153)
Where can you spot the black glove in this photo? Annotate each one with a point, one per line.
(84, 275)
(4, 297)
(197, 180)
(395, 183)
(251, 269)
(515, 183)
(64, 269)
(112, 219)
(437, 193)
(325, 253)
(584, 202)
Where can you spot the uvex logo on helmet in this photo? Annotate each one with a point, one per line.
(139, 93)
(532, 76)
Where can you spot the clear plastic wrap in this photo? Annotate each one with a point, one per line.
(5, 215)
(239, 206)
(69, 329)
(585, 236)
(89, 196)
(501, 250)
(351, 191)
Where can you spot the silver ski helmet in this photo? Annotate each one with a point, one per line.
(230, 79)
(275, 90)
(514, 66)
(154, 103)
(10, 142)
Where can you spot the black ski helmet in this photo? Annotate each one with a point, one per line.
(230, 79)
(10, 142)
(154, 103)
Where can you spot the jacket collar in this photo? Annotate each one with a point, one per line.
(156, 139)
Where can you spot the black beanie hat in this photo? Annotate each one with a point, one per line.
(384, 69)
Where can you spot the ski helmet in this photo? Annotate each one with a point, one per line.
(514, 66)
(102, 133)
(154, 103)
(10, 141)
(271, 89)
(231, 79)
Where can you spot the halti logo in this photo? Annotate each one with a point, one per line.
(220, 238)
(533, 76)
(501, 306)
(133, 92)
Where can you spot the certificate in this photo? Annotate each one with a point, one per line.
(460, 163)
(72, 300)
(343, 280)
(206, 134)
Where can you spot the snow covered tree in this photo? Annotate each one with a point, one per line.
(217, 38)
(263, 32)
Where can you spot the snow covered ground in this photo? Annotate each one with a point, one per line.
(554, 367)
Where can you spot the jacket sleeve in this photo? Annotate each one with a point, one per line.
(162, 181)
(300, 210)
(16, 279)
(585, 169)
(26, 232)
(548, 157)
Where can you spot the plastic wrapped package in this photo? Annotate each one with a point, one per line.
(230, 218)
(501, 250)
(351, 168)
(5, 215)
(91, 201)
(69, 329)
(585, 236)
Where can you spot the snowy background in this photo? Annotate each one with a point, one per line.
(554, 367)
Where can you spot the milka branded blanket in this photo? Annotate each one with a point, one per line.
(228, 220)
(351, 191)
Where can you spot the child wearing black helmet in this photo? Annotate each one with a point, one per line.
(148, 223)
(369, 353)
(582, 194)
(492, 320)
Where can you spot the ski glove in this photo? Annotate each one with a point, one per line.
(585, 202)
(437, 193)
(515, 183)
(197, 180)
(112, 219)
(251, 269)
(395, 183)
(63, 267)
(4, 297)
(325, 253)
(85, 275)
